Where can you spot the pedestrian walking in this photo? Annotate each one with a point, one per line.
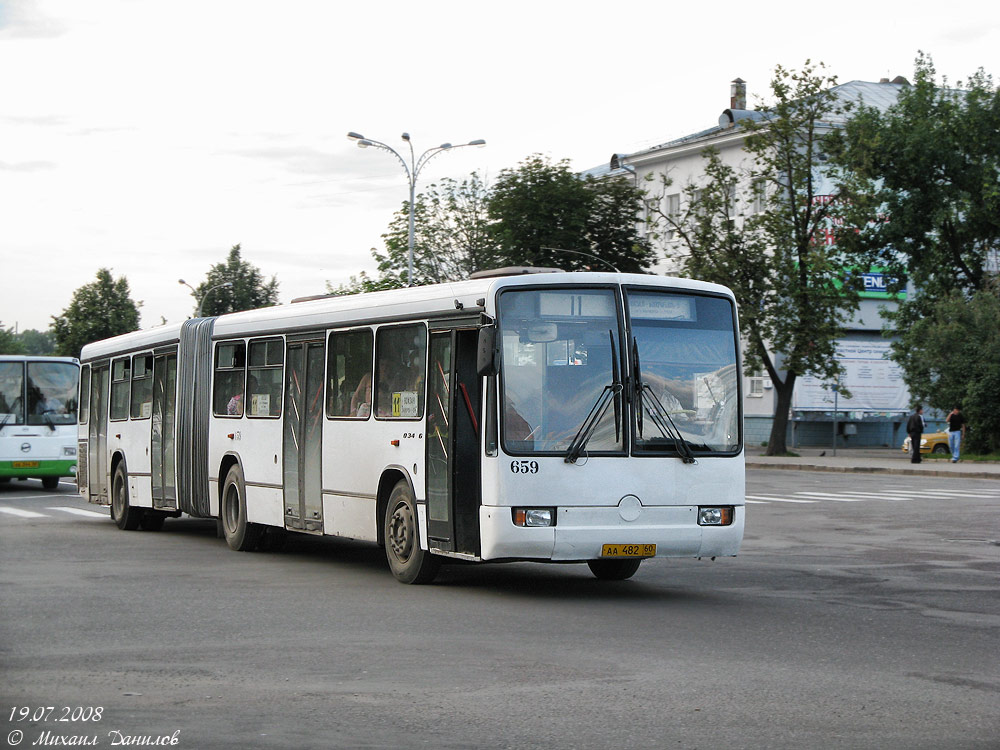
(956, 432)
(915, 429)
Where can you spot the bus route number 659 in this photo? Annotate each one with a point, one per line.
(524, 467)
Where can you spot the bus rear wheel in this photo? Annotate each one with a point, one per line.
(125, 516)
(241, 535)
(614, 570)
(407, 561)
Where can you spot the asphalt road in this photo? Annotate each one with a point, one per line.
(863, 612)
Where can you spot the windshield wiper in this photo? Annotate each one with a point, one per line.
(657, 413)
(9, 414)
(609, 393)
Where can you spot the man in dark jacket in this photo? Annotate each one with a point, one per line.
(915, 429)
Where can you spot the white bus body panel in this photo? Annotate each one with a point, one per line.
(669, 494)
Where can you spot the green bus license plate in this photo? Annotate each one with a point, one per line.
(26, 464)
(628, 550)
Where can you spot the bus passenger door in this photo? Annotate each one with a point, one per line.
(303, 432)
(97, 444)
(453, 442)
(162, 427)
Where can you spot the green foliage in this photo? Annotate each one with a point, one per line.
(451, 238)
(10, 342)
(364, 283)
(249, 289)
(37, 342)
(541, 208)
(98, 310)
(951, 356)
(923, 179)
(923, 182)
(787, 284)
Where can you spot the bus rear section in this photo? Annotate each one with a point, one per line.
(38, 417)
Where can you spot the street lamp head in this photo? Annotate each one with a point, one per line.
(355, 136)
(405, 136)
(365, 143)
(478, 142)
(445, 145)
(181, 281)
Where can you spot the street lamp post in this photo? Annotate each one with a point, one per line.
(201, 302)
(412, 171)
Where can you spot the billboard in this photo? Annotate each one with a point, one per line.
(875, 382)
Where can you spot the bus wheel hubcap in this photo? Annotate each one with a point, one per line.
(401, 532)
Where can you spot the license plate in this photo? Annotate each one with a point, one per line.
(26, 464)
(628, 550)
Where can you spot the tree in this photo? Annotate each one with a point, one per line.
(793, 300)
(10, 343)
(543, 214)
(951, 357)
(37, 342)
(98, 310)
(248, 291)
(923, 178)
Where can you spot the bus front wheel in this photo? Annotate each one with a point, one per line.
(408, 562)
(50, 483)
(125, 516)
(241, 535)
(614, 570)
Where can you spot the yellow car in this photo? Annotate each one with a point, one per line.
(930, 442)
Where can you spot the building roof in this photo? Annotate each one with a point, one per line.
(881, 95)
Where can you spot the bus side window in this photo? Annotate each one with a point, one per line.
(230, 371)
(120, 381)
(401, 354)
(142, 386)
(263, 397)
(84, 394)
(349, 373)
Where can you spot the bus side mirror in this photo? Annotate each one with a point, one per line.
(486, 356)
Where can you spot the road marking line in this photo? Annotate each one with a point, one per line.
(84, 513)
(769, 498)
(22, 513)
(756, 502)
(829, 496)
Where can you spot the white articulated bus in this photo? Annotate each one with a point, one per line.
(38, 400)
(570, 417)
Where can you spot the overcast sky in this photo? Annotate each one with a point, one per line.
(149, 136)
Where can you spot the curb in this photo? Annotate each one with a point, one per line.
(874, 470)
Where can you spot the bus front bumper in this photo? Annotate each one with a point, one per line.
(580, 533)
(39, 468)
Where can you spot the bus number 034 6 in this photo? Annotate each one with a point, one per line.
(524, 467)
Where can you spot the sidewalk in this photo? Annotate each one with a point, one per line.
(872, 461)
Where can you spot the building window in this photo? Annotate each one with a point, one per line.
(758, 197)
(673, 211)
(230, 369)
(758, 384)
(349, 373)
(263, 397)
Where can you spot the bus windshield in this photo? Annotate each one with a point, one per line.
(560, 353)
(52, 396)
(684, 357)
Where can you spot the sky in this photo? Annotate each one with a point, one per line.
(150, 136)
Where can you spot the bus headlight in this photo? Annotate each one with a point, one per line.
(534, 516)
(69, 450)
(720, 516)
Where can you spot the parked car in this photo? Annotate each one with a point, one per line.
(930, 442)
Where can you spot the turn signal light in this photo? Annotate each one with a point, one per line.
(722, 516)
